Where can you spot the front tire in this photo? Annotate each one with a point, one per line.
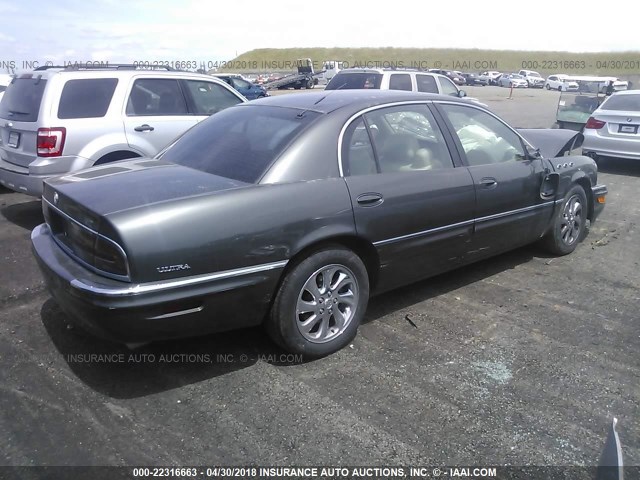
(320, 303)
(570, 223)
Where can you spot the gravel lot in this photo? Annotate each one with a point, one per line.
(522, 360)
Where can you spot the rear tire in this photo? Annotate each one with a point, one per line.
(320, 303)
(570, 223)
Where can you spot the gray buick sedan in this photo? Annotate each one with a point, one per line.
(292, 211)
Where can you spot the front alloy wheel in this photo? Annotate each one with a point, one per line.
(569, 224)
(327, 303)
(572, 220)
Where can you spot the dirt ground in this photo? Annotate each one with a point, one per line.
(522, 360)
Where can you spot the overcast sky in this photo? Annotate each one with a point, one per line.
(148, 30)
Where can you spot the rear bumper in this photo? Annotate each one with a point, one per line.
(21, 182)
(612, 147)
(132, 313)
(29, 179)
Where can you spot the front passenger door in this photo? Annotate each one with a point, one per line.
(509, 209)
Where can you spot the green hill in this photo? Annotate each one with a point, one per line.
(283, 60)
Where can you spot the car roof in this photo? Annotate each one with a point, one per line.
(111, 71)
(356, 100)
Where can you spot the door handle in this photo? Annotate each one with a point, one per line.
(144, 128)
(369, 199)
(489, 183)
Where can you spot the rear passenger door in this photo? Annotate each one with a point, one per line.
(156, 113)
(408, 198)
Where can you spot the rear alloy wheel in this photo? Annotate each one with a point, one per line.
(320, 303)
(570, 223)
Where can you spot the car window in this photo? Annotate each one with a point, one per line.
(400, 81)
(484, 138)
(448, 87)
(357, 151)
(155, 96)
(407, 138)
(622, 102)
(240, 83)
(239, 143)
(426, 83)
(209, 97)
(86, 98)
(21, 101)
(350, 81)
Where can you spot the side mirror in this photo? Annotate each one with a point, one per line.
(462, 93)
(533, 152)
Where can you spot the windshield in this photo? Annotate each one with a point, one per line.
(239, 143)
(623, 102)
(21, 101)
(534, 74)
(515, 75)
(351, 81)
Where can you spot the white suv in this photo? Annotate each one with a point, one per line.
(57, 120)
(394, 79)
(534, 79)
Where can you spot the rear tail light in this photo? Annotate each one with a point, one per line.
(595, 124)
(51, 141)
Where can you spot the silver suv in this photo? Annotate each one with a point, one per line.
(394, 79)
(57, 120)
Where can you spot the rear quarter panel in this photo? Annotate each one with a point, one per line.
(247, 226)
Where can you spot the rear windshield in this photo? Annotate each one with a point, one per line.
(622, 102)
(21, 101)
(352, 81)
(239, 143)
(86, 98)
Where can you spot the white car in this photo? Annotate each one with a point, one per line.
(561, 82)
(533, 78)
(512, 80)
(491, 77)
(614, 128)
(5, 80)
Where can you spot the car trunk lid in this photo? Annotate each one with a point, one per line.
(136, 183)
(619, 124)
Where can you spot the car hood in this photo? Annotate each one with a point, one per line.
(124, 185)
(552, 142)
